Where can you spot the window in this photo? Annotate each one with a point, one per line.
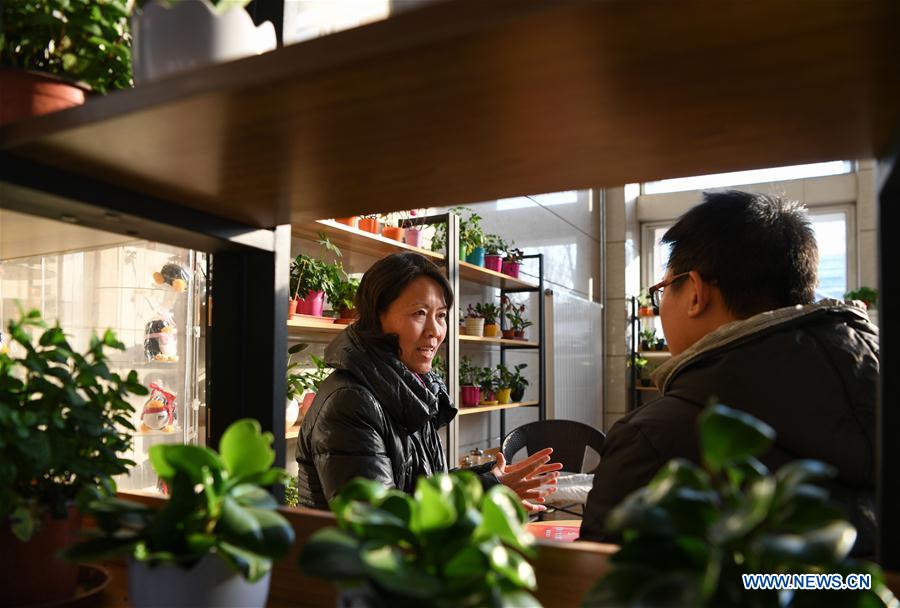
(834, 230)
(735, 178)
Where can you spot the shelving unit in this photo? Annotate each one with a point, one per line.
(480, 409)
(352, 239)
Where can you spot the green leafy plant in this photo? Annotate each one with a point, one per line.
(439, 367)
(471, 234)
(514, 313)
(486, 379)
(451, 545)
(295, 382)
(292, 493)
(79, 40)
(315, 274)
(867, 295)
(345, 294)
(474, 312)
(692, 531)
(644, 300)
(494, 245)
(308, 381)
(468, 372)
(217, 505)
(489, 311)
(514, 255)
(64, 419)
(518, 380)
(504, 377)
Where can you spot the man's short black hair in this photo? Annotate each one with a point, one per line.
(383, 283)
(761, 250)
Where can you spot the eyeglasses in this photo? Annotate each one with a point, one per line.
(656, 290)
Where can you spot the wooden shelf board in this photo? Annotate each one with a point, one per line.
(480, 409)
(482, 340)
(647, 388)
(296, 326)
(483, 276)
(351, 239)
(335, 126)
(650, 354)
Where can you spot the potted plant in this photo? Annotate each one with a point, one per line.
(474, 322)
(640, 367)
(518, 383)
(645, 304)
(648, 338)
(214, 540)
(449, 545)
(660, 345)
(693, 531)
(392, 226)
(351, 221)
(343, 303)
(514, 313)
(64, 422)
(468, 382)
(311, 278)
(369, 223)
(413, 225)
(179, 35)
(487, 382)
(512, 263)
(306, 383)
(490, 312)
(505, 380)
(471, 234)
(295, 387)
(866, 295)
(494, 249)
(53, 52)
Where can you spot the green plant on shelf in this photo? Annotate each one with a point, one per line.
(77, 40)
(486, 379)
(309, 381)
(309, 274)
(450, 544)
(867, 295)
(468, 372)
(514, 255)
(494, 245)
(64, 422)
(474, 312)
(217, 505)
(505, 377)
(471, 235)
(489, 311)
(439, 367)
(693, 531)
(295, 382)
(514, 313)
(518, 382)
(345, 295)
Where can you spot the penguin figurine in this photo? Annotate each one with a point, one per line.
(161, 340)
(174, 275)
(159, 411)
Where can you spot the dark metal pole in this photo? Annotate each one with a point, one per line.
(888, 428)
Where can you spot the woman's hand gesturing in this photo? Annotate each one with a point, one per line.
(531, 479)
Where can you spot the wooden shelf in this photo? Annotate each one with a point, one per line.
(358, 241)
(334, 126)
(293, 432)
(481, 340)
(647, 388)
(654, 354)
(483, 276)
(304, 326)
(480, 409)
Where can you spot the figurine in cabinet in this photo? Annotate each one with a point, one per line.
(174, 275)
(161, 339)
(159, 411)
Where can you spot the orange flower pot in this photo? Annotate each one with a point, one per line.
(351, 221)
(392, 232)
(25, 94)
(368, 224)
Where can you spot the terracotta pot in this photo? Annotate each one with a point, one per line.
(491, 330)
(347, 316)
(511, 269)
(368, 224)
(392, 232)
(471, 395)
(474, 327)
(519, 334)
(292, 308)
(24, 94)
(493, 262)
(351, 221)
(646, 311)
(413, 237)
(311, 304)
(509, 334)
(504, 395)
(32, 572)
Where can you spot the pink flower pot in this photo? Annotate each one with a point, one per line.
(493, 262)
(311, 304)
(471, 395)
(511, 269)
(413, 237)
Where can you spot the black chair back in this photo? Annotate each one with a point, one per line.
(568, 438)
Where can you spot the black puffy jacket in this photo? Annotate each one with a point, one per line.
(371, 418)
(809, 372)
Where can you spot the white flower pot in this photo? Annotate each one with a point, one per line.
(190, 34)
(474, 327)
(291, 412)
(209, 584)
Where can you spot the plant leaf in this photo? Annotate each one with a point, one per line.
(728, 435)
(245, 449)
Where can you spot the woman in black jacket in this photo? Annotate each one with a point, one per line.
(377, 415)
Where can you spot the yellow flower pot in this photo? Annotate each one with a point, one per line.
(491, 330)
(503, 395)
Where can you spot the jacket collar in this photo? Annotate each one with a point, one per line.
(410, 403)
(736, 331)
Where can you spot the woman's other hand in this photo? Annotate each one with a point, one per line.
(532, 479)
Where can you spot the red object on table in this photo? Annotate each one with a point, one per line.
(563, 530)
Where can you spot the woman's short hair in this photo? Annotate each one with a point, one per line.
(384, 282)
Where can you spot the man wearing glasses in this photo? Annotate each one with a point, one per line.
(737, 310)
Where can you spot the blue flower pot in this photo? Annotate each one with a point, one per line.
(476, 257)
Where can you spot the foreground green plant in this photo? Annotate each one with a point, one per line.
(216, 505)
(79, 40)
(63, 423)
(693, 531)
(451, 545)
